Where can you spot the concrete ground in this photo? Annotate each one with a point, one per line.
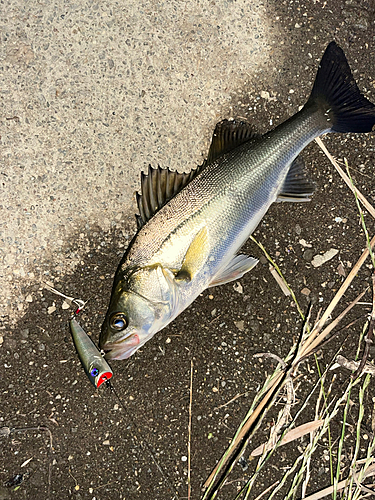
(91, 94)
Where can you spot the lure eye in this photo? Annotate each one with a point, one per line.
(118, 322)
(94, 372)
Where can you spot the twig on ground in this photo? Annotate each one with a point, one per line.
(189, 429)
(230, 401)
(279, 281)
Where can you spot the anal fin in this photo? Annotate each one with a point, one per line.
(235, 269)
(297, 186)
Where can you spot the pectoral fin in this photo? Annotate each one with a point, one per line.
(235, 269)
(195, 257)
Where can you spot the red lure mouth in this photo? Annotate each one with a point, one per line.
(104, 377)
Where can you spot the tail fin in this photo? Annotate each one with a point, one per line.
(335, 90)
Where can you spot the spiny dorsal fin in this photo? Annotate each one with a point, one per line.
(229, 134)
(297, 186)
(159, 186)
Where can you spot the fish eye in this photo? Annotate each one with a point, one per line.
(118, 321)
(94, 372)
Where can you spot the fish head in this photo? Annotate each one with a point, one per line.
(127, 326)
(140, 306)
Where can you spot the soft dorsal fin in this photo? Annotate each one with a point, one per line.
(228, 135)
(159, 186)
(297, 185)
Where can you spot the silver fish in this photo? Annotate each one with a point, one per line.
(191, 226)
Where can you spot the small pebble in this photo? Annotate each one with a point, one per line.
(341, 270)
(319, 260)
(305, 244)
(51, 309)
(240, 325)
(308, 255)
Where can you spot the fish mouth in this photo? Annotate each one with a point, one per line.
(121, 349)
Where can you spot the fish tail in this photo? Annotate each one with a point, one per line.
(337, 95)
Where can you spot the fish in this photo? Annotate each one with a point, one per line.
(95, 366)
(191, 226)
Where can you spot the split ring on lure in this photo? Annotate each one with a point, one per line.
(96, 367)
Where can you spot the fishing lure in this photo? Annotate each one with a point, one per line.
(96, 367)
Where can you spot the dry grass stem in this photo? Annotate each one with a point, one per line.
(370, 471)
(245, 429)
(369, 335)
(284, 414)
(316, 338)
(267, 490)
(328, 491)
(292, 435)
(345, 178)
(353, 365)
